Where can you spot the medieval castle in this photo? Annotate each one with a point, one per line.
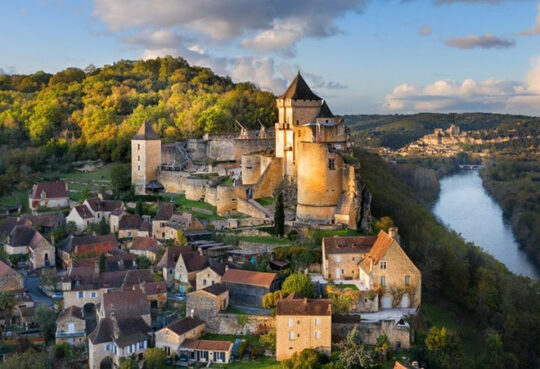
(306, 152)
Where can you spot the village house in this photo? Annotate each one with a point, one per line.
(167, 264)
(114, 261)
(10, 280)
(132, 225)
(48, 195)
(145, 246)
(155, 293)
(123, 330)
(210, 275)
(114, 220)
(167, 222)
(171, 337)
(102, 208)
(342, 255)
(206, 303)
(71, 327)
(81, 216)
(247, 287)
(301, 324)
(26, 240)
(44, 222)
(188, 265)
(207, 351)
(85, 247)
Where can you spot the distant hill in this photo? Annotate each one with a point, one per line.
(395, 131)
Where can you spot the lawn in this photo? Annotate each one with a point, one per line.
(229, 337)
(265, 363)
(265, 201)
(265, 239)
(344, 286)
(15, 198)
(233, 310)
(93, 181)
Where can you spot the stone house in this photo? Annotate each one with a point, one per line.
(44, 222)
(167, 264)
(85, 247)
(188, 265)
(155, 293)
(247, 287)
(10, 280)
(71, 327)
(210, 275)
(81, 216)
(114, 220)
(130, 302)
(132, 225)
(145, 246)
(342, 255)
(388, 268)
(206, 303)
(167, 222)
(303, 323)
(48, 195)
(207, 351)
(103, 208)
(171, 337)
(26, 240)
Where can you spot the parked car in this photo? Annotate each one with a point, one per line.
(58, 295)
(179, 296)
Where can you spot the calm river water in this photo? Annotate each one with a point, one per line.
(465, 206)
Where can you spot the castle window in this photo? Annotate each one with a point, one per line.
(139, 168)
(316, 321)
(138, 157)
(317, 335)
(138, 146)
(332, 164)
(407, 280)
(291, 322)
(383, 264)
(291, 335)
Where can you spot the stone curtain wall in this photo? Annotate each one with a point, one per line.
(399, 335)
(226, 323)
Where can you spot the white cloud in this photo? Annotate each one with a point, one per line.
(470, 95)
(535, 29)
(487, 41)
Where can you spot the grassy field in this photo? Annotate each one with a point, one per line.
(344, 286)
(266, 363)
(266, 201)
(93, 181)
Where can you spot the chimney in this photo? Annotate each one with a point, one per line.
(96, 266)
(393, 232)
(414, 364)
(100, 195)
(226, 267)
(116, 330)
(191, 313)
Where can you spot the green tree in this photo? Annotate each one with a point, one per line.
(46, 318)
(181, 239)
(353, 353)
(155, 358)
(121, 177)
(128, 363)
(143, 262)
(85, 193)
(269, 340)
(307, 359)
(443, 347)
(7, 304)
(279, 216)
(242, 320)
(299, 283)
(102, 262)
(381, 346)
(29, 359)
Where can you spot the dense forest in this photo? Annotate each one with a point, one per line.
(496, 313)
(93, 113)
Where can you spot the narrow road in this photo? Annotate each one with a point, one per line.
(40, 298)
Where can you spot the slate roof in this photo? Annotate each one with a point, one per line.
(194, 261)
(219, 268)
(130, 221)
(52, 190)
(21, 235)
(348, 245)
(238, 276)
(103, 332)
(325, 111)
(84, 212)
(97, 204)
(216, 289)
(137, 276)
(296, 306)
(51, 220)
(206, 345)
(165, 211)
(146, 132)
(299, 90)
(184, 325)
(72, 311)
(125, 303)
(130, 330)
(85, 278)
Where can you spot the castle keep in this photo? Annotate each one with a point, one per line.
(306, 151)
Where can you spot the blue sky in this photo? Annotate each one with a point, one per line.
(363, 56)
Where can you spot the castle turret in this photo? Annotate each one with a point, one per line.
(145, 157)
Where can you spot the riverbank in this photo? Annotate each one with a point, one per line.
(515, 184)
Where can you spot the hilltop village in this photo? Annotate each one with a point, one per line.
(220, 272)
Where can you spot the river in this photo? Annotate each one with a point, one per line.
(466, 207)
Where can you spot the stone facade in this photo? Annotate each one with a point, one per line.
(399, 334)
(226, 323)
(206, 277)
(71, 328)
(205, 305)
(145, 157)
(169, 339)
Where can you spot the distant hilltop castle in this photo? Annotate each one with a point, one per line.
(306, 151)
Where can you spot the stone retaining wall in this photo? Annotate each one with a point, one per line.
(227, 323)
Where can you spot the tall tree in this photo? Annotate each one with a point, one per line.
(352, 352)
(299, 283)
(279, 216)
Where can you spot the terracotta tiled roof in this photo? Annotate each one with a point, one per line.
(146, 132)
(52, 190)
(84, 212)
(194, 261)
(72, 311)
(165, 212)
(206, 345)
(299, 90)
(260, 279)
(137, 276)
(171, 255)
(216, 289)
(152, 288)
(87, 243)
(380, 247)
(296, 306)
(184, 325)
(347, 245)
(130, 221)
(145, 243)
(125, 304)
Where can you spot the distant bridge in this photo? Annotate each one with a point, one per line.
(471, 166)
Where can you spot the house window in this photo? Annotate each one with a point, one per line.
(138, 158)
(93, 294)
(383, 264)
(383, 281)
(80, 294)
(317, 321)
(407, 280)
(108, 347)
(114, 349)
(141, 345)
(138, 146)
(204, 282)
(291, 322)
(317, 335)
(338, 258)
(332, 164)
(139, 168)
(291, 335)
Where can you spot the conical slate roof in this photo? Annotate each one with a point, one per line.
(146, 132)
(299, 90)
(325, 111)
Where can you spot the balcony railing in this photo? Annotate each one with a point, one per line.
(81, 333)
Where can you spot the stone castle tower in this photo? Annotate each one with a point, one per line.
(145, 157)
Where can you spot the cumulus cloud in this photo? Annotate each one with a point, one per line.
(487, 41)
(470, 95)
(425, 30)
(534, 30)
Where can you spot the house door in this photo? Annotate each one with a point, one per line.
(71, 327)
(338, 273)
(386, 302)
(405, 303)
